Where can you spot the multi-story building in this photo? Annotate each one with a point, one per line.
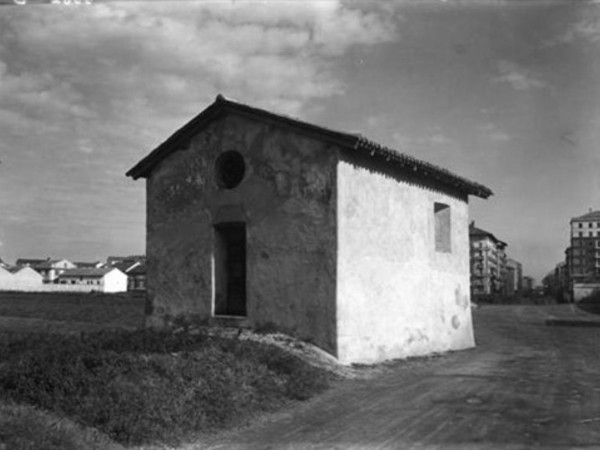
(556, 283)
(583, 256)
(488, 262)
(513, 281)
(528, 284)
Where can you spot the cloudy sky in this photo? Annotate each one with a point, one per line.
(506, 93)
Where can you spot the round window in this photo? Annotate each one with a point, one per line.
(230, 169)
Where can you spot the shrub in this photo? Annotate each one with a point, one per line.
(26, 428)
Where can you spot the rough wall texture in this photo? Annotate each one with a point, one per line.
(397, 296)
(286, 199)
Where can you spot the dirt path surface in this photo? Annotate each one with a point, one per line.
(526, 385)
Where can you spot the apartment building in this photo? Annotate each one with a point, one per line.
(583, 256)
(513, 281)
(488, 262)
(528, 285)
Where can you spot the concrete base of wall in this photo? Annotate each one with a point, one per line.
(582, 290)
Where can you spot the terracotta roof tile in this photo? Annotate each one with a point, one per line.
(87, 272)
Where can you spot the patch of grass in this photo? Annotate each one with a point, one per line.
(27, 428)
(122, 309)
(151, 387)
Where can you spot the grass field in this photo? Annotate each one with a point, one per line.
(122, 309)
(115, 388)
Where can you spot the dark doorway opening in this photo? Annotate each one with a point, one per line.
(230, 269)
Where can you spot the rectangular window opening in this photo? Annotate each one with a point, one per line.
(230, 269)
(443, 229)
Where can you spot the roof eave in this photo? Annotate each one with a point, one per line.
(217, 108)
(426, 169)
(347, 140)
(145, 166)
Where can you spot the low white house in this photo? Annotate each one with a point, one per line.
(20, 279)
(28, 276)
(107, 279)
(5, 274)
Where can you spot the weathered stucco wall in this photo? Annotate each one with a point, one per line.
(287, 199)
(397, 296)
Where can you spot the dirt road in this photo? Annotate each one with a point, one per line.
(526, 385)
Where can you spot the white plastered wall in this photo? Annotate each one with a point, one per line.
(396, 295)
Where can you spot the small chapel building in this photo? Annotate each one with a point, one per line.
(256, 219)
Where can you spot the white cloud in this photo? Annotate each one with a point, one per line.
(86, 89)
(517, 77)
(281, 51)
(586, 29)
(85, 145)
(373, 121)
(491, 130)
(122, 71)
(437, 138)
(500, 136)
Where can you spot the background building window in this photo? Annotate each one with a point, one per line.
(443, 230)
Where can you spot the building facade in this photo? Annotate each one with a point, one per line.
(136, 278)
(51, 269)
(513, 283)
(528, 285)
(254, 218)
(583, 255)
(95, 279)
(584, 251)
(21, 279)
(556, 283)
(488, 262)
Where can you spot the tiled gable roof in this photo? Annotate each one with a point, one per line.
(138, 270)
(591, 216)
(478, 232)
(46, 264)
(346, 140)
(87, 272)
(83, 264)
(51, 264)
(126, 266)
(30, 261)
